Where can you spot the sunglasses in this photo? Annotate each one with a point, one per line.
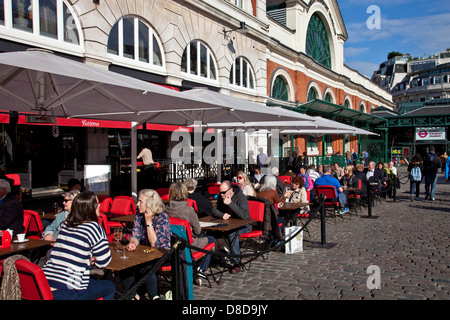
(223, 192)
(240, 177)
(66, 200)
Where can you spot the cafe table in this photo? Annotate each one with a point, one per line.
(291, 210)
(31, 246)
(140, 255)
(215, 224)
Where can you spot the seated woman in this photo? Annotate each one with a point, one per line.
(151, 227)
(268, 191)
(244, 184)
(80, 243)
(258, 178)
(298, 193)
(349, 180)
(178, 208)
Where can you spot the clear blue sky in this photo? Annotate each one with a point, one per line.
(417, 27)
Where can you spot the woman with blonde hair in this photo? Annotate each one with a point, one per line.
(151, 227)
(245, 184)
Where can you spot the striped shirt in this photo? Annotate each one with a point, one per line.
(69, 264)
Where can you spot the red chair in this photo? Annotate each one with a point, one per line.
(122, 206)
(35, 227)
(106, 225)
(355, 198)
(213, 189)
(256, 209)
(15, 177)
(162, 192)
(331, 198)
(193, 204)
(33, 283)
(105, 203)
(197, 255)
(26, 222)
(286, 179)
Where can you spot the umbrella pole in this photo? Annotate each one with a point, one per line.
(134, 190)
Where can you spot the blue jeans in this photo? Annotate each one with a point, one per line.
(205, 263)
(130, 276)
(414, 187)
(96, 289)
(430, 180)
(233, 240)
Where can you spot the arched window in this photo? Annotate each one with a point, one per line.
(328, 97)
(280, 89)
(362, 108)
(317, 43)
(55, 19)
(133, 39)
(347, 104)
(241, 73)
(198, 60)
(312, 94)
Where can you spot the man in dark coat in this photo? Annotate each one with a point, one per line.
(232, 203)
(11, 210)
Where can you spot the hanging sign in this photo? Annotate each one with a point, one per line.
(425, 134)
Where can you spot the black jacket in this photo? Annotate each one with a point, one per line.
(11, 214)
(238, 208)
(431, 163)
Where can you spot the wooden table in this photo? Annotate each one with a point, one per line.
(125, 219)
(293, 205)
(229, 224)
(141, 255)
(31, 244)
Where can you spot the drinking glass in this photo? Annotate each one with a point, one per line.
(56, 207)
(118, 232)
(124, 241)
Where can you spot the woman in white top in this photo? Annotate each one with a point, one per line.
(298, 193)
(244, 184)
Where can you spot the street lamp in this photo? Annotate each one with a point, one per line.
(242, 30)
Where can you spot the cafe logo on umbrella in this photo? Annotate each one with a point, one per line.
(423, 133)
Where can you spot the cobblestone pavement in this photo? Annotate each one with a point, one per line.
(409, 242)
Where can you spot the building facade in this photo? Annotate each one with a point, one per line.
(295, 61)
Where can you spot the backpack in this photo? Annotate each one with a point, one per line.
(416, 174)
(431, 164)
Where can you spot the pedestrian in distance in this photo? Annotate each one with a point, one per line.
(432, 164)
(415, 169)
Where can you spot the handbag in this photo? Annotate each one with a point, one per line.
(296, 243)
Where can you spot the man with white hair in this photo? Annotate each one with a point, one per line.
(11, 210)
(280, 184)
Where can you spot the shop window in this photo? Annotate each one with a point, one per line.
(133, 40)
(55, 19)
(198, 60)
(241, 73)
(280, 89)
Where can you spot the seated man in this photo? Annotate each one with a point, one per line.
(232, 203)
(204, 205)
(11, 210)
(328, 180)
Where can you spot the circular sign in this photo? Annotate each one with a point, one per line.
(422, 133)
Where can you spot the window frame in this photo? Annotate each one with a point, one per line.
(198, 68)
(250, 79)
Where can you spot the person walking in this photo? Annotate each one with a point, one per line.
(415, 169)
(432, 163)
(447, 170)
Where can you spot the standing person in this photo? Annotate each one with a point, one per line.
(292, 159)
(415, 169)
(348, 157)
(444, 158)
(431, 164)
(151, 226)
(447, 169)
(363, 158)
(262, 160)
(11, 209)
(232, 203)
(305, 158)
(149, 165)
(354, 157)
(80, 243)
